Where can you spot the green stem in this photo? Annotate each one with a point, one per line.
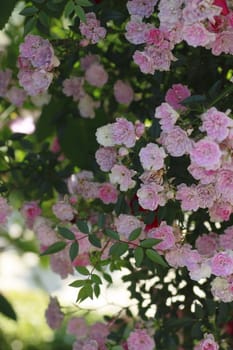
(225, 93)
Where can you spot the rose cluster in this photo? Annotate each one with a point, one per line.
(198, 23)
(36, 62)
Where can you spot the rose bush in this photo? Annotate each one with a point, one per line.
(129, 163)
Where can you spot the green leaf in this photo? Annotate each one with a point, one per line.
(29, 11)
(85, 292)
(97, 290)
(112, 234)
(77, 283)
(149, 242)
(6, 308)
(101, 220)
(118, 249)
(139, 255)
(74, 249)
(96, 279)
(38, 1)
(196, 331)
(29, 25)
(107, 277)
(84, 3)
(135, 234)
(117, 347)
(82, 270)
(54, 248)
(66, 233)
(80, 13)
(44, 19)
(193, 100)
(199, 311)
(155, 257)
(94, 240)
(82, 226)
(69, 8)
(6, 10)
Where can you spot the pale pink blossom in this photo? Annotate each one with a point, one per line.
(207, 154)
(176, 94)
(149, 196)
(39, 53)
(197, 35)
(226, 239)
(73, 87)
(199, 173)
(176, 256)
(222, 264)
(91, 344)
(87, 344)
(139, 339)
(63, 211)
(104, 135)
(208, 343)
(200, 270)
(88, 60)
(87, 106)
(16, 96)
(216, 124)
(36, 62)
(125, 224)
(122, 176)
(139, 128)
(123, 152)
(35, 82)
(99, 332)
(54, 315)
(221, 290)
(198, 10)
(30, 211)
(96, 75)
(170, 13)
(83, 184)
(44, 232)
(191, 258)
(5, 210)
(223, 43)
(188, 196)
(123, 132)
(167, 116)
(61, 264)
(41, 99)
(176, 142)
(106, 158)
(165, 233)
(141, 8)
(77, 326)
(206, 195)
(107, 193)
(152, 157)
(136, 30)
(224, 184)
(154, 58)
(207, 244)
(123, 92)
(76, 180)
(92, 30)
(220, 211)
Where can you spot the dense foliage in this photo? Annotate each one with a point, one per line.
(116, 152)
